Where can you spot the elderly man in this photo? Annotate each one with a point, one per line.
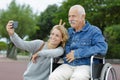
(84, 41)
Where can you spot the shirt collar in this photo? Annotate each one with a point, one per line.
(85, 28)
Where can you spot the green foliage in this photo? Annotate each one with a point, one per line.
(23, 14)
(3, 46)
(45, 22)
(27, 23)
(101, 13)
(107, 15)
(62, 12)
(112, 34)
(24, 53)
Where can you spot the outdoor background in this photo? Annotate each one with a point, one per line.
(102, 13)
(33, 24)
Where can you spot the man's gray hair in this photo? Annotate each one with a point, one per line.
(79, 8)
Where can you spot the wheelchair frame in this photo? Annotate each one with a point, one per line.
(102, 69)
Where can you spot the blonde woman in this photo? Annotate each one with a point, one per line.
(38, 67)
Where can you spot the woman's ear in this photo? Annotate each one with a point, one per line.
(61, 39)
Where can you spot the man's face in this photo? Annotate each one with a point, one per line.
(74, 18)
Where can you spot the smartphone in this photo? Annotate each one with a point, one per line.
(15, 24)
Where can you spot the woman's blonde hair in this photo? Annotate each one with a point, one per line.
(63, 31)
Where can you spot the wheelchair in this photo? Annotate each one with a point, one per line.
(99, 71)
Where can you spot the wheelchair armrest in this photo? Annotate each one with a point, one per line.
(99, 57)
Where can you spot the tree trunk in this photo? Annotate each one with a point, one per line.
(12, 52)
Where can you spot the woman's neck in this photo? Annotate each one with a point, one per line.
(50, 46)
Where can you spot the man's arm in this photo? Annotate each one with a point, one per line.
(99, 47)
(67, 46)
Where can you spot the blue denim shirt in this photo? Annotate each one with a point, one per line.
(85, 43)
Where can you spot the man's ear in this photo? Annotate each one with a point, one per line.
(83, 17)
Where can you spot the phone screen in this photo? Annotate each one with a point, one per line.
(15, 24)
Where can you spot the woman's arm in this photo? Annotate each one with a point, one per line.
(30, 46)
(51, 52)
(48, 53)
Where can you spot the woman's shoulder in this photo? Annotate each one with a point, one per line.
(37, 41)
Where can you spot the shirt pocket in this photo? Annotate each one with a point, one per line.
(85, 42)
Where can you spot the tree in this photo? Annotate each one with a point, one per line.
(27, 24)
(99, 13)
(45, 22)
(3, 45)
(62, 12)
(112, 34)
(105, 13)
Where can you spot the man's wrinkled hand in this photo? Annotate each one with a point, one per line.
(70, 57)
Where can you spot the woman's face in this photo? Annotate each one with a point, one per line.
(55, 37)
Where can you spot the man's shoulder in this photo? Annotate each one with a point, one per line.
(94, 28)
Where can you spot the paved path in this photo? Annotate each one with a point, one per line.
(117, 69)
(13, 70)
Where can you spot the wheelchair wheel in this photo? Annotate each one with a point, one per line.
(108, 72)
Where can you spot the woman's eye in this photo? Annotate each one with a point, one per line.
(52, 33)
(57, 35)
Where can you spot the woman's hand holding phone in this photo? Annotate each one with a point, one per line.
(9, 28)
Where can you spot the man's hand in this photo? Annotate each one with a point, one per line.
(34, 57)
(70, 56)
